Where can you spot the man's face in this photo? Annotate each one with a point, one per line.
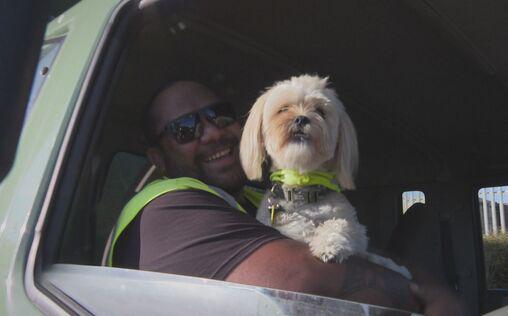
(212, 157)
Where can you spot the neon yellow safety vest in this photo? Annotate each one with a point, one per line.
(162, 186)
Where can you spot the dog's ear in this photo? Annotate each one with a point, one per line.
(346, 153)
(252, 149)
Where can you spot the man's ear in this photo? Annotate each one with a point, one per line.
(156, 157)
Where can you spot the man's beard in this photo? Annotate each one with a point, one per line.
(231, 179)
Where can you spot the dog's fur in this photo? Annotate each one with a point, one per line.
(327, 143)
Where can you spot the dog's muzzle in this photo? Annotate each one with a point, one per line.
(300, 121)
(298, 129)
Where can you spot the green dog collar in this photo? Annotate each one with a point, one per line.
(292, 177)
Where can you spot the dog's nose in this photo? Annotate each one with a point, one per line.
(301, 121)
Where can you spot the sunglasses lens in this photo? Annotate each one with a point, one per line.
(221, 114)
(184, 129)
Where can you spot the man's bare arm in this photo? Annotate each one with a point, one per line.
(289, 265)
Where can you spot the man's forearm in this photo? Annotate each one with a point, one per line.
(288, 265)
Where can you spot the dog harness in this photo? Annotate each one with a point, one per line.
(298, 189)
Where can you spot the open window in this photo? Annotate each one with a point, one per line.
(101, 162)
(409, 198)
(493, 213)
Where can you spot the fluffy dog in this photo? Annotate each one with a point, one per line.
(300, 126)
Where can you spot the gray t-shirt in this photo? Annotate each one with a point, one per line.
(191, 232)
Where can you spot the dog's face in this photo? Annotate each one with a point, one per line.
(302, 125)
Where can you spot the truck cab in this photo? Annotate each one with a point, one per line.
(425, 82)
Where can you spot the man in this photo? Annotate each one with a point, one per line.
(194, 226)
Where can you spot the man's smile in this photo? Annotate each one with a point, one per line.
(219, 154)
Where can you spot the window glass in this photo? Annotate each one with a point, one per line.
(112, 291)
(493, 206)
(411, 197)
(49, 52)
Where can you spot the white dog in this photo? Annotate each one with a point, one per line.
(300, 129)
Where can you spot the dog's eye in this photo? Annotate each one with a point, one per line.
(282, 109)
(321, 112)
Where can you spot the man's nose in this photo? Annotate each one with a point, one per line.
(210, 132)
(301, 121)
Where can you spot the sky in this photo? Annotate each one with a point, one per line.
(497, 194)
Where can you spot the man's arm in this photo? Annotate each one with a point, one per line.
(289, 265)
(195, 233)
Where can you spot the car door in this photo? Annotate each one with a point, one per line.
(37, 109)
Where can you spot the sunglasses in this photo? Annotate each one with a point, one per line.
(186, 128)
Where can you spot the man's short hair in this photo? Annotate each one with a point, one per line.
(149, 131)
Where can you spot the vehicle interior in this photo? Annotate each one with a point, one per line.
(425, 83)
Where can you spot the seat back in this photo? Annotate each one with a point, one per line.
(146, 176)
(125, 176)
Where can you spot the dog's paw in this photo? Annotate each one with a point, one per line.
(328, 254)
(334, 240)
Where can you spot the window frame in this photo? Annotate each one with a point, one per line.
(42, 276)
(39, 78)
(48, 298)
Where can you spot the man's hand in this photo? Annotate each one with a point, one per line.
(437, 300)
(373, 284)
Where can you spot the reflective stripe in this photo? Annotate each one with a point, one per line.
(227, 197)
(253, 195)
(152, 191)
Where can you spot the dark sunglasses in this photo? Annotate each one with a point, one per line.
(186, 128)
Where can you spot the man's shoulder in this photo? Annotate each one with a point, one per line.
(174, 190)
(187, 198)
